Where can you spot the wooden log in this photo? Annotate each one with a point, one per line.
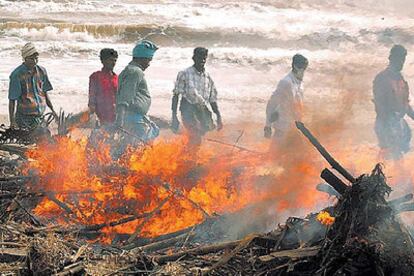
(407, 207)
(293, 254)
(326, 188)
(72, 269)
(324, 152)
(161, 259)
(334, 181)
(400, 200)
(162, 244)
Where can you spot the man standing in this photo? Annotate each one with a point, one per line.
(198, 91)
(29, 86)
(103, 86)
(285, 106)
(391, 98)
(133, 99)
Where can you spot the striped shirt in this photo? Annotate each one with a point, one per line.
(196, 87)
(29, 88)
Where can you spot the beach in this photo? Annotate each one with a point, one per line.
(250, 44)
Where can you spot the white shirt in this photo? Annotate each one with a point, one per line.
(287, 101)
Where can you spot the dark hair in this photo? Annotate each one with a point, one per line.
(107, 53)
(299, 61)
(200, 51)
(398, 51)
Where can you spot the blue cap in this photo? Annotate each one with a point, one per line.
(144, 49)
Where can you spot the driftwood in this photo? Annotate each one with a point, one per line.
(293, 253)
(196, 251)
(338, 167)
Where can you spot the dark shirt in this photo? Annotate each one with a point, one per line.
(29, 88)
(103, 87)
(132, 90)
(391, 94)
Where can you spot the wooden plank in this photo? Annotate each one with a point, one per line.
(294, 253)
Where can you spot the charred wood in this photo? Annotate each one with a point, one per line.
(334, 181)
(338, 167)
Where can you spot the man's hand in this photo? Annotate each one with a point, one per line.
(92, 109)
(219, 123)
(120, 117)
(175, 123)
(267, 131)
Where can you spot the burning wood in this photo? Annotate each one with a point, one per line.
(360, 235)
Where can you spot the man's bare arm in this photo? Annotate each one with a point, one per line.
(175, 123)
(12, 106)
(216, 110)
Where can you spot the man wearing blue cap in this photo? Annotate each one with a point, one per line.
(133, 99)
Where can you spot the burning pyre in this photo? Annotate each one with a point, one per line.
(157, 201)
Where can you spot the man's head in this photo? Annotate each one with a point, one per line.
(30, 55)
(200, 57)
(299, 65)
(143, 53)
(397, 57)
(108, 58)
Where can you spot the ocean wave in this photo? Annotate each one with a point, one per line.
(173, 36)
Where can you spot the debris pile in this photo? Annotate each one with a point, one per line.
(360, 235)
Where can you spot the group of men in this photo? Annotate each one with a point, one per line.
(124, 100)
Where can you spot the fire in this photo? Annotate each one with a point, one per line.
(325, 218)
(165, 187)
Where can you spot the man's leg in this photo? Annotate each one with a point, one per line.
(192, 126)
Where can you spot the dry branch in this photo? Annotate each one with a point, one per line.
(324, 152)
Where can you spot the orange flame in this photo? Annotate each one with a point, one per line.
(325, 218)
